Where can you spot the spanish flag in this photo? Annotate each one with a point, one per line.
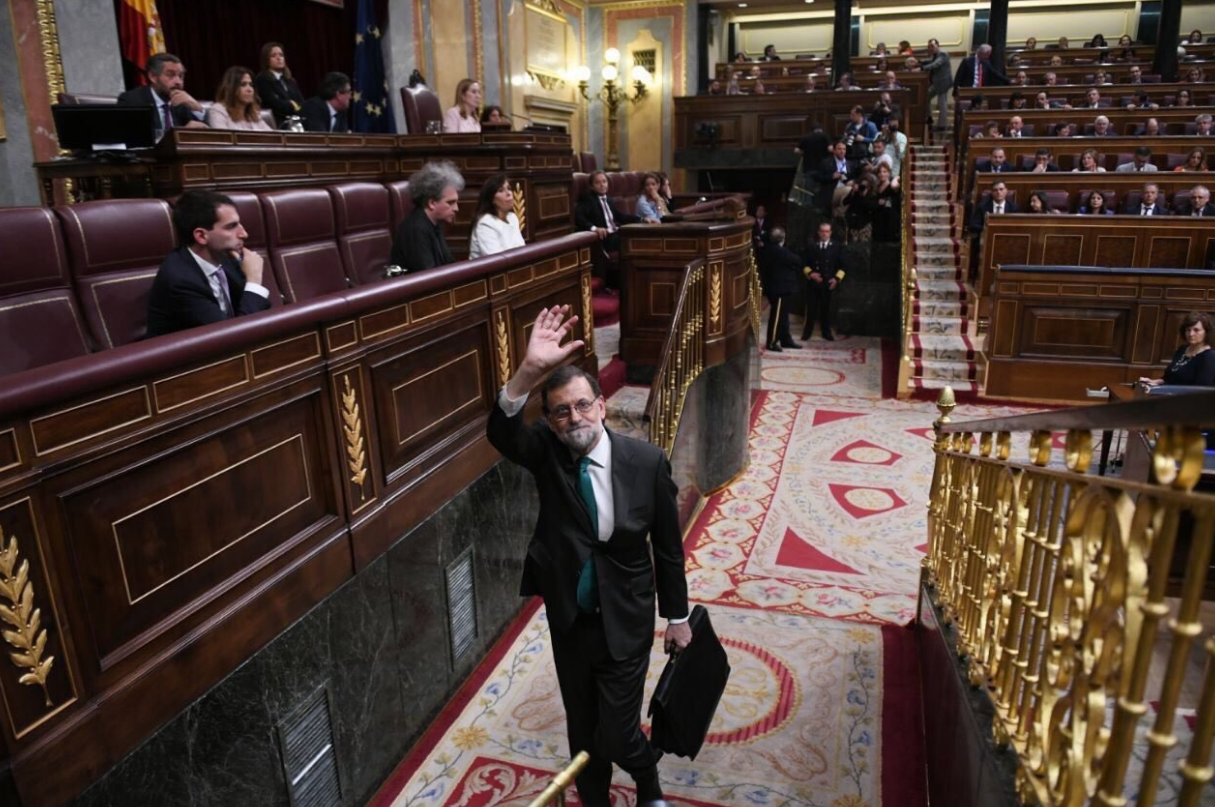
(140, 33)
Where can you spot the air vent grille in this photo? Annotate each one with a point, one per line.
(309, 761)
(461, 605)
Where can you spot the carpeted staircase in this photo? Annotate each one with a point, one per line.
(625, 402)
(943, 351)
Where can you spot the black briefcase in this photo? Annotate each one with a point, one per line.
(689, 690)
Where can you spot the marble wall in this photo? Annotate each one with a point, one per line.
(18, 185)
(380, 646)
(89, 46)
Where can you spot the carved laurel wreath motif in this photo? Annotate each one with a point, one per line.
(352, 427)
(503, 348)
(588, 314)
(715, 297)
(520, 207)
(23, 619)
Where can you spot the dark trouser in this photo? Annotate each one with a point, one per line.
(818, 303)
(602, 698)
(778, 320)
(612, 241)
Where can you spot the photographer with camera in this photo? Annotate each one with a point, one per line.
(859, 134)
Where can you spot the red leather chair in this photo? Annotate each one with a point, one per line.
(587, 160)
(421, 106)
(400, 203)
(1059, 200)
(364, 229)
(82, 98)
(39, 321)
(249, 207)
(303, 243)
(114, 249)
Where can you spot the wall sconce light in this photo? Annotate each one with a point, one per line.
(612, 96)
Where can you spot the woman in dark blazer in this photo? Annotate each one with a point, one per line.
(275, 87)
(1095, 205)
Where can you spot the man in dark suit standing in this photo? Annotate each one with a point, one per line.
(175, 108)
(1149, 203)
(761, 231)
(824, 269)
(211, 276)
(601, 495)
(326, 111)
(834, 174)
(995, 204)
(779, 271)
(1199, 204)
(595, 211)
(978, 71)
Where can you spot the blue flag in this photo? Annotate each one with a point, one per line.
(372, 107)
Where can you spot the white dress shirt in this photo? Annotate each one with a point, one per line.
(493, 235)
(599, 469)
(211, 272)
(997, 207)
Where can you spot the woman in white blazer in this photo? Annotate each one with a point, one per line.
(495, 225)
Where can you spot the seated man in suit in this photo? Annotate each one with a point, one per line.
(978, 71)
(1102, 128)
(600, 495)
(997, 204)
(1136, 75)
(1141, 163)
(418, 243)
(595, 211)
(780, 269)
(175, 108)
(835, 175)
(1199, 204)
(1016, 127)
(1149, 203)
(1042, 164)
(211, 276)
(998, 162)
(327, 110)
(1204, 126)
(1092, 99)
(824, 269)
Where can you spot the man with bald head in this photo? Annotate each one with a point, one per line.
(1016, 126)
(978, 71)
(1199, 204)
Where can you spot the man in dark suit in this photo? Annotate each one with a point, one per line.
(780, 269)
(1149, 203)
(978, 71)
(997, 163)
(601, 495)
(824, 269)
(1042, 164)
(175, 108)
(761, 231)
(326, 111)
(418, 243)
(1199, 204)
(996, 204)
(834, 174)
(595, 211)
(211, 276)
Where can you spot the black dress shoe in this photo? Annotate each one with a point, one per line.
(775, 349)
(791, 345)
(829, 337)
(654, 803)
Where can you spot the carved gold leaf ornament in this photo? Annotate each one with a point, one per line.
(352, 428)
(24, 621)
(503, 348)
(588, 314)
(715, 296)
(520, 207)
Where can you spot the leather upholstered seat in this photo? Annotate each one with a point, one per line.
(421, 106)
(303, 243)
(114, 249)
(39, 321)
(400, 203)
(364, 229)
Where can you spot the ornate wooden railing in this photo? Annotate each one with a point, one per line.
(1054, 582)
(683, 358)
(907, 285)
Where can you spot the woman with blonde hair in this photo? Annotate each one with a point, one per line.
(1090, 160)
(1196, 160)
(463, 118)
(235, 104)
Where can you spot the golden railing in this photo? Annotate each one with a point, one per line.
(683, 359)
(555, 792)
(1055, 582)
(907, 284)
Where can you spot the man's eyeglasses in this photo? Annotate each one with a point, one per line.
(562, 412)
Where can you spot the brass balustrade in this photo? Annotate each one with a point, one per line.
(1055, 580)
(683, 358)
(555, 792)
(908, 282)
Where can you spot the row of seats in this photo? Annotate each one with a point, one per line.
(1176, 128)
(1105, 102)
(1067, 162)
(1070, 202)
(75, 279)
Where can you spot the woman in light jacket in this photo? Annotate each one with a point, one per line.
(495, 225)
(235, 104)
(463, 117)
(651, 207)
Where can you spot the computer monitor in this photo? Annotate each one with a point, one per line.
(105, 127)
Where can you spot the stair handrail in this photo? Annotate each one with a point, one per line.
(908, 282)
(555, 792)
(1053, 583)
(683, 358)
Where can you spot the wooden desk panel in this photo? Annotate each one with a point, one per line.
(1059, 330)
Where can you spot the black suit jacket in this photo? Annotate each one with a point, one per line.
(965, 77)
(316, 116)
(644, 505)
(1187, 209)
(283, 98)
(824, 175)
(780, 270)
(1137, 210)
(979, 217)
(142, 96)
(1007, 168)
(181, 296)
(588, 213)
(761, 231)
(827, 262)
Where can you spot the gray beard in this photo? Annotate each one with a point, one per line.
(582, 438)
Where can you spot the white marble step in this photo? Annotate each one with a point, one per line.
(943, 347)
(946, 370)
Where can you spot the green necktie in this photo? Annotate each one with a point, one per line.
(588, 584)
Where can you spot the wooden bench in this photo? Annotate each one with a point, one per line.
(916, 83)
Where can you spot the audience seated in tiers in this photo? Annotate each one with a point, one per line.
(276, 89)
(1151, 128)
(1094, 204)
(596, 212)
(1204, 126)
(1194, 76)
(996, 204)
(1093, 100)
(1021, 79)
(210, 277)
(1017, 128)
(845, 82)
(1141, 162)
(1183, 99)
(1136, 76)
(235, 104)
(1195, 38)
(1149, 203)
(1038, 203)
(462, 118)
(175, 108)
(1102, 128)
(327, 111)
(1090, 161)
(890, 81)
(997, 163)
(495, 225)
(770, 54)
(419, 243)
(758, 88)
(1199, 203)
(1196, 160)
(1142, 101)
(1031, 43)
(1043, 163)
(651, 206)
(1194, 362)
(811, 83)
